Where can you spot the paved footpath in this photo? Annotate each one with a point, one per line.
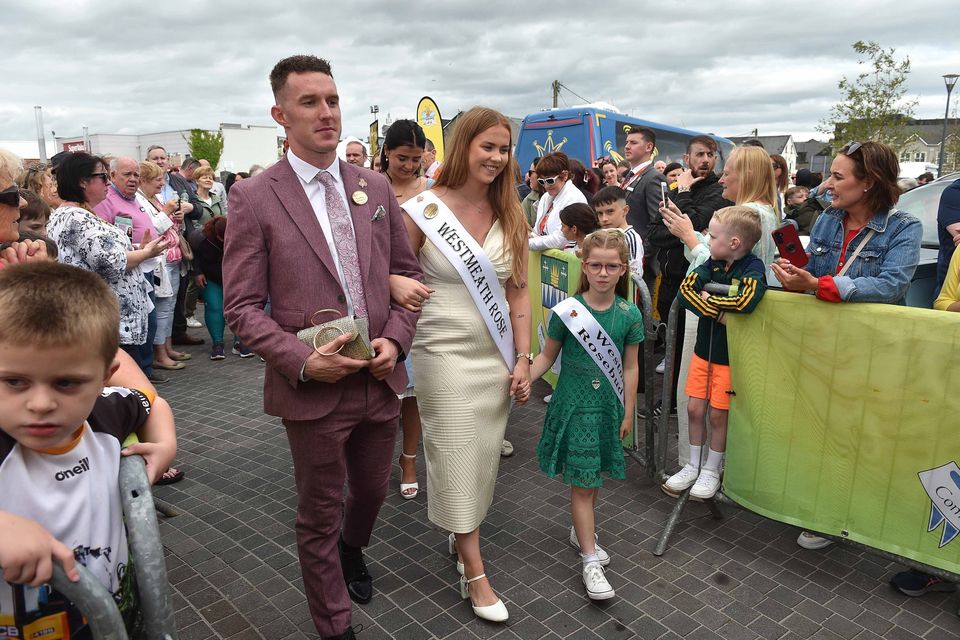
(232, 558)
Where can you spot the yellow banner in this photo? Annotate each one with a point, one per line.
(844, 421)
(374, 141)
(428, 117)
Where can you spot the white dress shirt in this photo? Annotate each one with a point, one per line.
(554, 238)
(637, 170)
(316, 194)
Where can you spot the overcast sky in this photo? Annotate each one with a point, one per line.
(723, 67)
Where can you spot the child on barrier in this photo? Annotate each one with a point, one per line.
(610, 203)
(60, 445)
(593, 406)
(732, 234)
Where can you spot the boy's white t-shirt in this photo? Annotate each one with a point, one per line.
(74, 494)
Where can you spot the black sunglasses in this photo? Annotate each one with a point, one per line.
(102, 175)
(10, 196)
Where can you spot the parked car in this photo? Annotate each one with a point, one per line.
(924, 202)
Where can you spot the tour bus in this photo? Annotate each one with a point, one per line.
(590, 132)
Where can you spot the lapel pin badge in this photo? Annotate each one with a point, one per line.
(359, 197)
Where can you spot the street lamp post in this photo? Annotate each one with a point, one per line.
(950, 80)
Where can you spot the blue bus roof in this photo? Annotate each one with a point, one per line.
(578, 112)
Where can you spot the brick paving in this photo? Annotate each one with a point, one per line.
(232, 560)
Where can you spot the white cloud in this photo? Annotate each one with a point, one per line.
(722, 67)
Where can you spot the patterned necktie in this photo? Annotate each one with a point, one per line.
(627, 177)
(345, 242)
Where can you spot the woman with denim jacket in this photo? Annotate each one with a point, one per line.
(863, 181)
(861, 248)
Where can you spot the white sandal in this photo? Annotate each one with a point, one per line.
(412, 487)
(496, 612)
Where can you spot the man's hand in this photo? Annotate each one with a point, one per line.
(384, 362)
(27, 552)
(201, 280)
(333, 367)
(686, 180)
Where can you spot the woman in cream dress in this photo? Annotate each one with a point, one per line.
(463, 384)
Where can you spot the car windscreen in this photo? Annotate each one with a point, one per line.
(923, 202)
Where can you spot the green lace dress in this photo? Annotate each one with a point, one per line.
(581, 432)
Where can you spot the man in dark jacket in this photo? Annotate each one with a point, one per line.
(698, 195)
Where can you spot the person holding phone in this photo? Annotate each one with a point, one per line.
(861, 248)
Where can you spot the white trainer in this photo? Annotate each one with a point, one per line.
(812, 541)
(706, 485)
(683, 479)
(575, 543)
(662, 366)
(193, 323)
(596, 582)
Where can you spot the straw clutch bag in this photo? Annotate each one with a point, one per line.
(320, 334)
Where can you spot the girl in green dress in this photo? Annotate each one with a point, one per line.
(587, 419)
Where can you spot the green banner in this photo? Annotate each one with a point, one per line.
(846, 420)
(552, 276)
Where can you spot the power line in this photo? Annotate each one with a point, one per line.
(574, 92)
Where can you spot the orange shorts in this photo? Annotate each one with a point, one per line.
(719, 383)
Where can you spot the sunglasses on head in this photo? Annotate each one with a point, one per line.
(10, 196)
(852, 148)
(548, 182)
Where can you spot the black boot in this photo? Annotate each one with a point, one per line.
(355, 574)
(346, 635)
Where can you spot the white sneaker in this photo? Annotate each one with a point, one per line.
(706, 485)
(548, 398)
(596, 582)
(662, 366)
(683, 479)
(193, 323)
(812, 541)
(575, 543)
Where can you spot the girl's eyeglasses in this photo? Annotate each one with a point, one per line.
(594, 268)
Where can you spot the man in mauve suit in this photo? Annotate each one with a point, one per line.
(313, 233)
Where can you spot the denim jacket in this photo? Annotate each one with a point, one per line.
(884, 268)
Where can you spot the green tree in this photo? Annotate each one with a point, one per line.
(206, 145)
(873, 106)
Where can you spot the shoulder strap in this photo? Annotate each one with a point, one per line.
(856, 251)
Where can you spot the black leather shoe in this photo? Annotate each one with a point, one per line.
(184, 339)
(346, 635)
(355, 574)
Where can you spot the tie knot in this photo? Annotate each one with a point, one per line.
(325, 178)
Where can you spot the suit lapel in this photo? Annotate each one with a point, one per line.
(287, 186)
(360, 213)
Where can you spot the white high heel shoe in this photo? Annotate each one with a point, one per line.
(452, 547)
(412, 487)
(496, 612)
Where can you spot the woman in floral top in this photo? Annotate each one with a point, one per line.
(85, 241)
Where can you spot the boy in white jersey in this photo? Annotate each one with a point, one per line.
(60, 445)
(610, 203)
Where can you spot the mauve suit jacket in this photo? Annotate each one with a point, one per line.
(275, 249)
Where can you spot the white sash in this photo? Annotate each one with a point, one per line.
(594, 339)
(446, 233)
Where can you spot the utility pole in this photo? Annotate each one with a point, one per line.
(41, 141)
(556, 92)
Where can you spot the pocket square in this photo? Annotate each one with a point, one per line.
(379, 214)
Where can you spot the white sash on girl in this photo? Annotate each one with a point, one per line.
(594, 339)
(446, 233)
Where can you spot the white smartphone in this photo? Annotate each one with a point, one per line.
(663, 194)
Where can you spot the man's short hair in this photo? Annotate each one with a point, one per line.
(646, 132)
(47, 304)
(189, 162)
(925, 176)
(608, 195)
(742, 222)
(706, 141)
(430, 146)
(153, 147)
(296, 64)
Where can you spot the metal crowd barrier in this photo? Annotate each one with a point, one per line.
(146, 551)
(646, 456)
